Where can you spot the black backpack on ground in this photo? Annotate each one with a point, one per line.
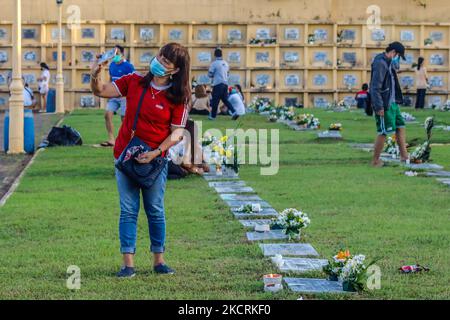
(65, 136)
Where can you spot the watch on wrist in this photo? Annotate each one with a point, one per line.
(160, 151)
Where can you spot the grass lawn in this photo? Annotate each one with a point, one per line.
(65, 212)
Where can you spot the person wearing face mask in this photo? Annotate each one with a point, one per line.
(386, 95)
(163, 95)
(118, 68)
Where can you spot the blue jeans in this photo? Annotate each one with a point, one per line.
(130, 203)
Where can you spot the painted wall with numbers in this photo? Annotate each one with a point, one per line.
(293, 51)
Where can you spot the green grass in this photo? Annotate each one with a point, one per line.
(66, 211)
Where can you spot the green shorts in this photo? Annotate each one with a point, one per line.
(391, 121)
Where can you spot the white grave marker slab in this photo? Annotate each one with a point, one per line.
(438, 174)
(271, 235)
(424, 166)
(332, 134)
(304, 285)
(234, 190)
(302, 265)
(240, 197)
(229, 184)
(238, 203)
(252, 223)
(288, 249)
(265, 213)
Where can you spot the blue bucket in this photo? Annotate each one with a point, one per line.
(28, 131)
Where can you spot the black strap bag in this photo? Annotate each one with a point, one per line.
(144, 175)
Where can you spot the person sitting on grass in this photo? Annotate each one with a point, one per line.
(386, 95)
(200, 101)
(235, 98)
(164, 91)
(363, 100)
(187, 156)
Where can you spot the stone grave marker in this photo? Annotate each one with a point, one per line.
(227, 184)
(445, 181)
(332, 134)
(438, 174)
(265, 213)
(424, 166)
(288, 249)
(234, 190)
(220, 178)
(240, 197)
(252, 223)
(271, 235)
(239, 203)
(302, 265)
(306, 285)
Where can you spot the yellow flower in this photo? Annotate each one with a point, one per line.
(343, 255)
(229, 153)
(216, 148)
(222, 151)
(224, 139)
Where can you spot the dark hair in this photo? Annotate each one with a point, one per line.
(420, 62)
(44, 66)
(200, 91)
(365, 87)
(238, 86)
(218, 53)
(180, 91)
(121, 49)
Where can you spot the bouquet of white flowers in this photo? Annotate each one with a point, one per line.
(334, 267)
(408, 117)
(261, 104)
(354, 273)
(423, 152)
(308, 121)
(291, 221)
(391, 147)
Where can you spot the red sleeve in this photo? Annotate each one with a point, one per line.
(180, 116)
(122, 84)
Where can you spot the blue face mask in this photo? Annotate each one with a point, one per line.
(157, 69)
(396, 60)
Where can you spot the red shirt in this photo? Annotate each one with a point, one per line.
(156, 117)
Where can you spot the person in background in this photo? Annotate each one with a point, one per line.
(200, 101)
(421, 83)
(43, 81)
(239, 89)
(386, 95)
(118, 68)
(218, 71)
(235, 98)
(29, 102)
(363, 100)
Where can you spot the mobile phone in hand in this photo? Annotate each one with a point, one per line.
(108, 55)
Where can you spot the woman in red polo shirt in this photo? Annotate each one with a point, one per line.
(160, 124)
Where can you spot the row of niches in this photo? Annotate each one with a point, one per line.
(317, 100)
(289, 57)
(325, 100)
(259, 79)
(410, 35)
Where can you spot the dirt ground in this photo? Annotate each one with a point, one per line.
(12, 166)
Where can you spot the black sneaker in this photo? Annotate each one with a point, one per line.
(235, 117)
(126, 272)
(163, 269)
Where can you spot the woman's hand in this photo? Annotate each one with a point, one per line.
(96, 68)
(147, 157)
